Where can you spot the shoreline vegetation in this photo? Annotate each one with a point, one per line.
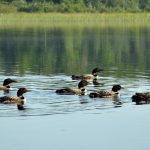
(72, 6)
(65, 13)
(103, 20)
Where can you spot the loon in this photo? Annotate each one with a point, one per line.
(19, 99)
(107, 94)
(6, 87)
(88, 76)
(141, 98)
(74, 91)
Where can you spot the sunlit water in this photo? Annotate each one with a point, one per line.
(43, 60)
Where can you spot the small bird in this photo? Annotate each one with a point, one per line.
(19, 99)
(92, 76)
(141, 98)
(107, 94)
(74, 91)
(6, 84)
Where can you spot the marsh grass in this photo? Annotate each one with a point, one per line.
(116, 20)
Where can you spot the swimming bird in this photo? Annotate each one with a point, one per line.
(92, 76)
(6, 84)
(141, 98)
(19, 99)
(74, 91)
(107, 94)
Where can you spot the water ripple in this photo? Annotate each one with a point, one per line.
(42, 100)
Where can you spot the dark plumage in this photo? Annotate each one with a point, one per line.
(141, 98)
(96, 83)
(74, 91)
(92, 76)
(94, 95)
(6, 84)
(106, 94)
(8, 81)
(20, 106)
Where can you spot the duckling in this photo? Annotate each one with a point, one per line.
(74, 91)
(19, 99)
(141, 98)
(107, 94)
(6, 87)
(92, 76)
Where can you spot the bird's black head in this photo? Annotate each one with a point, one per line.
(82, 84)
(116, 88)
(21, 91)
(96, 70)
(8, 81)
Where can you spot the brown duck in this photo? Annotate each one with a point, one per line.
(74, 91)
(92, 76)
(19, 99)
(107, 94)
(141, 98)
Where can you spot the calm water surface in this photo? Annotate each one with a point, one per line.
(43, 60)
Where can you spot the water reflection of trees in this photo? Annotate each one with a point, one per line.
(63, 50)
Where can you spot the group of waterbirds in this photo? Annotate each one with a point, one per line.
(138, 98)
(19, 99)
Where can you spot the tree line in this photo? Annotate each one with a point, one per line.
(78, 5)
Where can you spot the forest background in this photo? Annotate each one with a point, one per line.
(74, 6)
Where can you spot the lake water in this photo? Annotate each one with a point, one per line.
(43, 60)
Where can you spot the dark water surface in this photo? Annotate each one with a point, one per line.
(43, 60)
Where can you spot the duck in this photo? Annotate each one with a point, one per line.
(19, 99)
(92, 76)
(141, 98)
(74, 91)
(107, 94)
(6, 84)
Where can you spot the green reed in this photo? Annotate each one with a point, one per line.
(21, 20)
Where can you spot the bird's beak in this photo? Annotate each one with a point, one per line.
(28, 90)
(14, 81)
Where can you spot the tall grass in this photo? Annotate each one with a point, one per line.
(48, 20)
(7, 8)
